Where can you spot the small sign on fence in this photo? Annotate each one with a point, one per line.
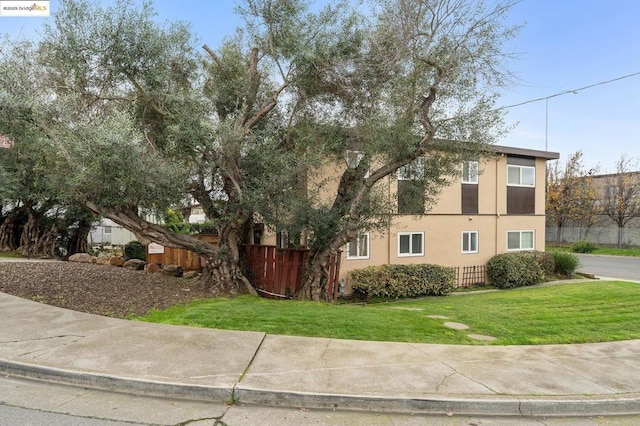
(155, 248)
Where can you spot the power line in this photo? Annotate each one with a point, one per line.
(575, 91)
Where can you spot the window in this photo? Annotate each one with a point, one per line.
(410, 244)
(412, 171)
(359, 248)
(282, 239)
(521, 175)
(107, 229)
(411, 188)
(470, 172)
(470, 242)
(411, 197)
(520, 240)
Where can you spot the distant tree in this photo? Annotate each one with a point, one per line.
(571, 196)
(621, 201)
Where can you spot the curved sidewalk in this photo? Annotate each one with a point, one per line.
(49, 343)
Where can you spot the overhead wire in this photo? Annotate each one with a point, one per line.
(570, 91)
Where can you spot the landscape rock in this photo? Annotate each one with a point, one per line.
(134, 264)
(191, 274)
(153, 268)
(116, 261)
(172, 270)
(82, 258)
(103, 260)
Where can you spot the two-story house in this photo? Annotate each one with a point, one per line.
(496, 205)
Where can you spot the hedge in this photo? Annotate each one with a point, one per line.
(508, 270)
(403, 280)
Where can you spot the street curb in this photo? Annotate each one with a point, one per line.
(115, 383)
(500, 405)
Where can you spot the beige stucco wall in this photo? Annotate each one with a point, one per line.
(443, 224)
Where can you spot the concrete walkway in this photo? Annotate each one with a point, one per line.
(49, 343)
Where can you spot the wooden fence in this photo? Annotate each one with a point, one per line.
(189, 260)
(273, 272)
(278, 272)
(471, 275)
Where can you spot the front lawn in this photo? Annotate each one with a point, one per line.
(592, 311)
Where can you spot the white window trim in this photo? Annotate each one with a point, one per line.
(358, 247)
(410, 254)
(477, 242)
(520, 168)
(477, 172)
(533, 232)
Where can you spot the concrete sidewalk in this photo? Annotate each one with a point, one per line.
(49, 343)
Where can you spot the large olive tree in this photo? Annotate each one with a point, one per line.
(136, 119)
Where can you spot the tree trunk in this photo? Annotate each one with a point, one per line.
(224, 274)
(223, 260)
(78, 239)
(559, 233)
(30, 234)
(8, 228)
(620, 229)
(46, 245)
(316, 277)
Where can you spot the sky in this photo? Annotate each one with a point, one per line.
(564, 46)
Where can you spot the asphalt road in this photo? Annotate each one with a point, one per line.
(621, 267)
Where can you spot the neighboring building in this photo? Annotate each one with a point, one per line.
(496, 206)
(108, 233)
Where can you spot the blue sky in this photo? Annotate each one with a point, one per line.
(565, 45)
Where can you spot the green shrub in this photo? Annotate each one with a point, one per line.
(508, 270)
(583, 247)
(566, 263)
(403, 281)
(135, 250)
(545, 260)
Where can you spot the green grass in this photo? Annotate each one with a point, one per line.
(617, 252)
(11, 254)
(601, 250)
(571, 313)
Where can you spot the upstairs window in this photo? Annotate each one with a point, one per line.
(470, 172)
(521, 176)
(411, 188)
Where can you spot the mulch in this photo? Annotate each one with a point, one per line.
(98, 289)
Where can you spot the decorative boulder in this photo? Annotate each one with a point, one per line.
(191, 274)
(82, 258)
(116, 261)
(172, 270)
(103, 260)
(134, 264)
(152, 268)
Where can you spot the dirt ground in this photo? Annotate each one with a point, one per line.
(97, 289)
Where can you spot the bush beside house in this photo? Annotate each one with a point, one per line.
(509, 270)
(403, 281)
